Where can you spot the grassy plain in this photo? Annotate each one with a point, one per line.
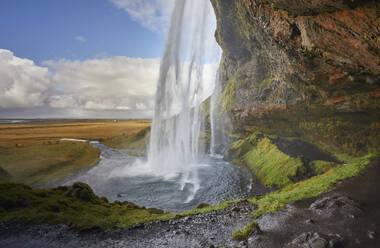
(33, 153)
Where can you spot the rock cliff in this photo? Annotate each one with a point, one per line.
(303, 68)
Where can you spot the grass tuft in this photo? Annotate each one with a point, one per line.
(245, 232)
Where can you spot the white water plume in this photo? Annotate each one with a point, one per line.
(174, 142)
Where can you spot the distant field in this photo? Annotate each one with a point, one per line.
(33, 153)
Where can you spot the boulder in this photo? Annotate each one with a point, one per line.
(336, 204)
(316, 240)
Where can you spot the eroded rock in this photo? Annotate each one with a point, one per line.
(316, 240)
(336, 204)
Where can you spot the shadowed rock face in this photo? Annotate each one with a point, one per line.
(318, 56)
(4, 175)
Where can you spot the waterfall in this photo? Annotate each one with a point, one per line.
(186, 78)
(175, 131)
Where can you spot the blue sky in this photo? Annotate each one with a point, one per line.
(74, 29)
(85, 58)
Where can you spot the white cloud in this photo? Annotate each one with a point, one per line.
(116, 83)
(80, 38)
(151, 14)
(105, 87)
(22, 83)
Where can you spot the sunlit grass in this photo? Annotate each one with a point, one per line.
(271, 166)
(39, 164)
(33, 153)
(311, 187)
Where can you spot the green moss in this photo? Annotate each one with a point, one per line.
(321, 167)
(242, 21)
(245, 232)
(227, 100)
(265, 82)
(273, 167)
(353, 133)
(80, 206)
(77, 204)
(311, 187)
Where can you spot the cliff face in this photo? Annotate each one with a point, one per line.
(303, 68)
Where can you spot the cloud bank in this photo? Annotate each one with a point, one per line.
(114, 87)
(116, 83)
(22, 83)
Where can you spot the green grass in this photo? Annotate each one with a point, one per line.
(321, 167)
(245, 232)
(311, 187)
(273, 167)
(227, 98)
(77, 205)
(132, 141)
(80, 206)
(40, 164)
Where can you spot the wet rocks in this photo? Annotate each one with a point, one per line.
(316, 240)
(371, 234)
(336, 204)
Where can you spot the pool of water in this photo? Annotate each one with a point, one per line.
(212, 181)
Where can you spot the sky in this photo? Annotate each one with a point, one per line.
(80, 58)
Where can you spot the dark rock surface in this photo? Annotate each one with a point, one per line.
(4, 175)
(324, 221)
(293, 67)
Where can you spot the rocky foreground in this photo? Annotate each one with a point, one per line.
(347, 216)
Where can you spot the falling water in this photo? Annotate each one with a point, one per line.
(175, 132)
(176, 175)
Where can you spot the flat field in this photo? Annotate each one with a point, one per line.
(33, 153)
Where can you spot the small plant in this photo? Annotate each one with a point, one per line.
(245, 232)
(203, 205)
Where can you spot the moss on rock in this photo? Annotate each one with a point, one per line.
(76, 204)
(273, 167)
(245, 232)
(311, 187)
(321, 167)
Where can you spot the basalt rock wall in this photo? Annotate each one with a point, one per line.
(303, 68)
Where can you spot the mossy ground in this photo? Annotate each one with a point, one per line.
(245, 232)
(321, 167)
(79, 206)
(273, 167)
(311, 187)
